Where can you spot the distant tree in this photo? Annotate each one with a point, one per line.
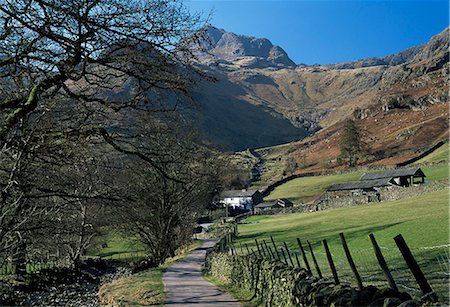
(290, 166)
(350, 143)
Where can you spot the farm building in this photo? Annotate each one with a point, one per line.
(402, 177)
(276, 204)
(241, 199)
(373, 183)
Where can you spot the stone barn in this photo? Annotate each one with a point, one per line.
(403, 177)
(276, 204)
(371, 185)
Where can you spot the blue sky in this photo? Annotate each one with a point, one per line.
(331, 31)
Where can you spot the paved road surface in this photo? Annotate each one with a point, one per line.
(185, 286)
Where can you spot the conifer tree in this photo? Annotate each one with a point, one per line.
(350, 144)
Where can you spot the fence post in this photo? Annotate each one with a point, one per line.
(275, 247)
(257, 247)
(248, 251)
(284, 256)
(350, 261)
(308, 268)
(272, 252)
(382, 263)
(314, 260)
(412, 264)
(330, 261)
(296, 259)
(267, 248)
(289, 254)
(241, 248)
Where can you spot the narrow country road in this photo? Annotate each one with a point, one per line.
(185, 286)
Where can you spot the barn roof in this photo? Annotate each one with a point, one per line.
(410, 171)
(238, 193)
(285, 201)
(267, 204)
(357, 185)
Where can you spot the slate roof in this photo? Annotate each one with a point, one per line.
(410, 171)
(238, 193)
(267, 204)
(286, 201)
(357, 185)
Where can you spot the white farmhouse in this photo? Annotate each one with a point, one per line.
(241, 199)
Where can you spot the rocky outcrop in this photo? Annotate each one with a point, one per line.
(245, 50)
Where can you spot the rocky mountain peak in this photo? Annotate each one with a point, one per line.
(256, 52)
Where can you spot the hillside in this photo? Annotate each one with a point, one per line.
(399, 102)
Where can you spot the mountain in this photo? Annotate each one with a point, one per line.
(258, 87)
(247, 51)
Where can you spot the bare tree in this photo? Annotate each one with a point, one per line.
(90, 50)
(80, 63)
(169, 189)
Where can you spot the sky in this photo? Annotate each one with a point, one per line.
(331, 31)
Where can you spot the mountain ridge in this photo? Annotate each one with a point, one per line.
(316, 98)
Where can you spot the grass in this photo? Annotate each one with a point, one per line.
(423, 222)
(440, 154)
(436, 172)
(307, 188)
(119, 246)
(242, 295)
(145, 288)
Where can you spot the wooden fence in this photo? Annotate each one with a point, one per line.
(280, 252)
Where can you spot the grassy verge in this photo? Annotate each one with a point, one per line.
(242, 295)
(423, 222)
(144, 288)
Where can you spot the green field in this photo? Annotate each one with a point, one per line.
(305, 189)
(440, 154)
(423, 221)
(436, 172)
(116, 245)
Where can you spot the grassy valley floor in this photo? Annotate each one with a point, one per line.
(423, 222)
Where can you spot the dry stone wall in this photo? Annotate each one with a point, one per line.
(331, 201)
(277, 284)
